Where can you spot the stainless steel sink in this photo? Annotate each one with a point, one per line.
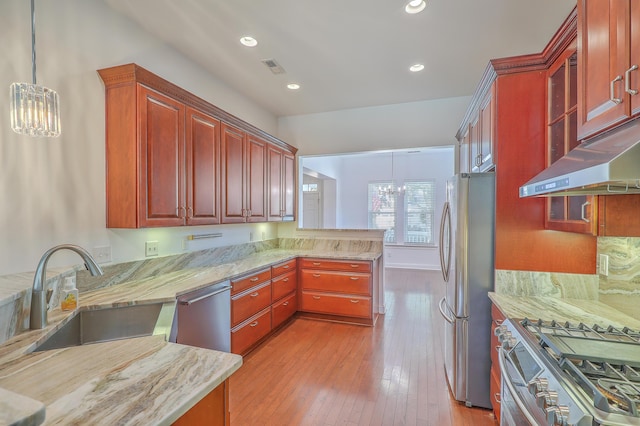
(102, 325)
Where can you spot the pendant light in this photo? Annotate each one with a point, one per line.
(35, 110)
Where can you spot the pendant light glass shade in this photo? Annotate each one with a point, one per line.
(35, 110)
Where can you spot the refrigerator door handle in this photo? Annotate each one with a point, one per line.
(442, 308)
(445, 224)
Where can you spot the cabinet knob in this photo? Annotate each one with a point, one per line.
(254, 279)
(256, 294)
(316, 297)
(253, 324)
(285, 279)
(316, 275)
(354, 278)
(353, 301)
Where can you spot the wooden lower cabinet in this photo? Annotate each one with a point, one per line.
(245, 304)
(284, 309)
(336, 304)
(212, 410)
(338, 289)
(497, 317)
(250, 332)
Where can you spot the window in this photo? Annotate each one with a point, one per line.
(382, 208)
(406, 213)
(309, 187)
(419, 200)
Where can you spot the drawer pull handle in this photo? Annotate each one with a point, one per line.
(316, 297)
(254, 294)
(317, 263)
(286, 303)
(285, 280)
(498, 348)
(254, 279)
(353, 301)
(612, 90)
(253, 324)
(285, 267)
(496, 396)
(498, 322)
(316, 275)
(354, 266)
(354, 278)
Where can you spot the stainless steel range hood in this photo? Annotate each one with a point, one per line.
(606, 165)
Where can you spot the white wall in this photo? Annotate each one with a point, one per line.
(53, 190)
(354, 172)
(425, 123)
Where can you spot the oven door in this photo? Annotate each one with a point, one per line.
(517, 406)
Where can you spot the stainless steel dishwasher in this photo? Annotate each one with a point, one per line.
(204, 318)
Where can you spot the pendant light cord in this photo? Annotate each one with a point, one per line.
(33, 42)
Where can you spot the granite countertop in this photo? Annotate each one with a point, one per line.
(562, 309)
(140, 380)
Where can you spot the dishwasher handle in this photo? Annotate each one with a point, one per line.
(204, 296)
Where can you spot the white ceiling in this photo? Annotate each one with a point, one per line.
(348, 53)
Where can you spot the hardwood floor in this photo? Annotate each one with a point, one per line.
(322, 373)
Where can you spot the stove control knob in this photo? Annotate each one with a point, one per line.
(538, 385)
(558, 416)
(509, 343)
(547, 399)
(500, 330)
(504, 336)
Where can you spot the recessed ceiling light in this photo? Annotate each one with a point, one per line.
(293, 86)
(416, 67)
(415, 6)
(249, 41)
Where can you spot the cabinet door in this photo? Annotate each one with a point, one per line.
(474, 146)
(633, 76)
(256, 192)
(603, 28)
(486, 133)
(162, 183)
(275, 183)
(289, 186)
(465, 152)
(232, 155)
(576, 213)
(203, 168)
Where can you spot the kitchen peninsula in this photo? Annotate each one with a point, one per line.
(150, 378)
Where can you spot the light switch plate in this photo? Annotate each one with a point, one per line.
(151, 248)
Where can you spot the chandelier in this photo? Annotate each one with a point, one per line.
(391, 189)
(35, 110)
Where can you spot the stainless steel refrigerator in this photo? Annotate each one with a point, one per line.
(467, 259)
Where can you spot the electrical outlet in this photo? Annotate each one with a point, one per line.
(102, 254)
(604, 265)
(151, 248)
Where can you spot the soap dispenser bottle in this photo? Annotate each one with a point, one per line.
(69, 300)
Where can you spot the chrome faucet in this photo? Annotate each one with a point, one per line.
(39, 298)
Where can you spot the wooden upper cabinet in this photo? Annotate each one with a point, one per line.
(256, 166)
(477, 133)
(244, 176)
(203, 168)
(608, 60)
(575, 213)
(281, 173)
(173, 159)
(234, 174)
(162, 182)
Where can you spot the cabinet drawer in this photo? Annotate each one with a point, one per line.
(336, 304)
(283, 285)
(243, 283)
(336, 265)
(341, 282)
(284, 267)
(284, 309)
(496, 315)
(249, 332)
(248, 303)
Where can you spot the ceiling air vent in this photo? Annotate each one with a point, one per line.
(273, 66)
